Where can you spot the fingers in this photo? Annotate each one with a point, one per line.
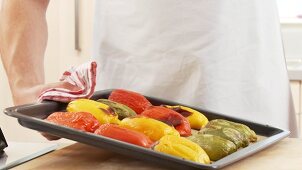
(64, 85)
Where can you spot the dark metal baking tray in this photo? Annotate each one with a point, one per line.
(32, 115)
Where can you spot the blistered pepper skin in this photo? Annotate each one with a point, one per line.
(169, 117)
(154, 129)
(183, 148)
(135, 101)
(102, 112)
(197, 120)
(123, 134)
(227, 133)
(249, 133)
(215, 146)
(78, 120)
(122, 110)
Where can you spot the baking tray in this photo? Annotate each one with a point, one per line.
(32, 115)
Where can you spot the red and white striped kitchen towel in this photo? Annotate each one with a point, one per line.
(83, 76)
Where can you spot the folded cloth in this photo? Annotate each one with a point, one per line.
(83, 76)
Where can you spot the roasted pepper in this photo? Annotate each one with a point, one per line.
(227, 133)
(215, 146)
(197, 120)
(123, 111)
(135, 101)
(102, 112)
(78, 120)
(169, 117)
(154, 129)
(123, 134)
(183, 148)
(250, 134)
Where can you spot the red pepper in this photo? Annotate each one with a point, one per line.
(123, 134)
(78, 120)
(169, 117)
(135, 101)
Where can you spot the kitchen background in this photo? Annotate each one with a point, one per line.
(70, 26)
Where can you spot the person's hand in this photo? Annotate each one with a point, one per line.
(31, 95)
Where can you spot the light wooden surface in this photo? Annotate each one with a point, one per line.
(287, 155)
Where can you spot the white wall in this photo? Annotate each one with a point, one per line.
(292, 39)
(289, 8)
(290, 12)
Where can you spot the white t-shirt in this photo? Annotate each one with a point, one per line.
(222, 55)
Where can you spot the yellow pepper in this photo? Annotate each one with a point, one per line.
(150, 127)
(102, 112)
(197, 120)
(183, 148)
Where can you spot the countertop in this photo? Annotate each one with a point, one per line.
(19, 152)
(286, 154)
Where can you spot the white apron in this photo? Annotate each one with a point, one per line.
(222, 55)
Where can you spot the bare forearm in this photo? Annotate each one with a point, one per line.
(23, 39)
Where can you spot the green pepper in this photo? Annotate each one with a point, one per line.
(216, 147)
(227, 133)
(250, 134)
(122, 110)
